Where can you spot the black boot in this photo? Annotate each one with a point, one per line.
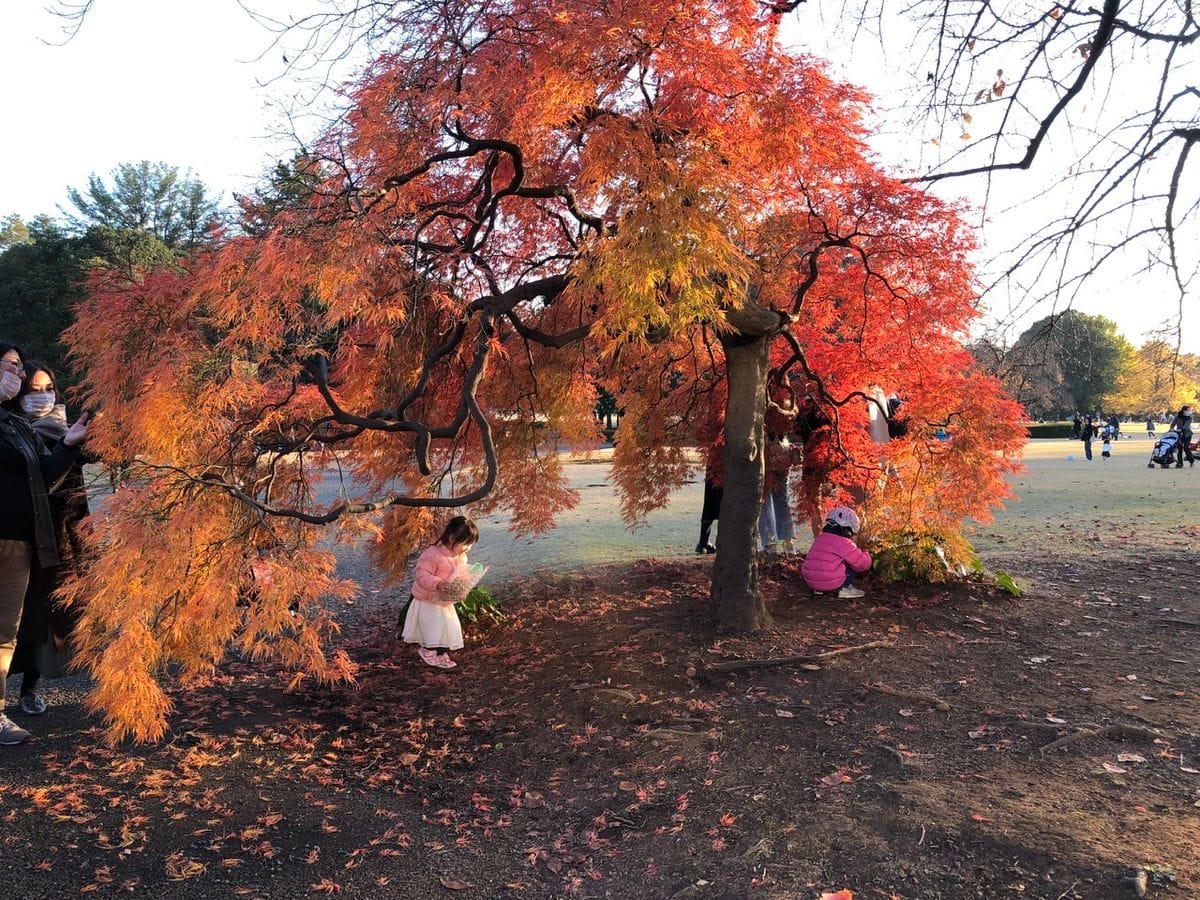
(704, 546)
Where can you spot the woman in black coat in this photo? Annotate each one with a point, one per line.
(28, 471)
(46, 625)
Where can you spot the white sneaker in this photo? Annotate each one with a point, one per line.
(851, 593)
(11, 733)
(33, 704)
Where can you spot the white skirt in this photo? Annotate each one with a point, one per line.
(432, 625)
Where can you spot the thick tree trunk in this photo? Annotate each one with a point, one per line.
(734, 599)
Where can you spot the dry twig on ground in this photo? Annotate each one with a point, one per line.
(1087, 730)
(936, 702)
(730, 665)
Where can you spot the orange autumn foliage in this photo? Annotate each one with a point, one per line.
(524, 201)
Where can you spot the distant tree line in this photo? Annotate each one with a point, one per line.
(143, 216)
(1074, 362)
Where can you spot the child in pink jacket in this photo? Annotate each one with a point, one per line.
(834, 559)
(432, 620)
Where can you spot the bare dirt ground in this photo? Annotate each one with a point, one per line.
(591, 746)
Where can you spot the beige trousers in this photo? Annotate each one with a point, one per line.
(15, 560)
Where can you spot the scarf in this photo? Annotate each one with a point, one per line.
(53, 425)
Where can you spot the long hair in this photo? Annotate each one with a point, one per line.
(32, 367)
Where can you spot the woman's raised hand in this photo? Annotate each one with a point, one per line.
(77, 432)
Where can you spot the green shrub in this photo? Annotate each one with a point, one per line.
(933, 557)
(924, 556)
(480, 603)
(1049, 429)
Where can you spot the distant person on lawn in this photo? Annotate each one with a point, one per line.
(1183, 424)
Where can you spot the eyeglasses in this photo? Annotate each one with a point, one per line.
(9, 365)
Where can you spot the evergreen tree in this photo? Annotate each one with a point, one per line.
(150, 197)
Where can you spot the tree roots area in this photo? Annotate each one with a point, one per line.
(605, 742)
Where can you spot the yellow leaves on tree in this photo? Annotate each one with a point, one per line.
(171, 584)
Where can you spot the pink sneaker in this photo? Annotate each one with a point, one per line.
(444, 661)
(430, 657)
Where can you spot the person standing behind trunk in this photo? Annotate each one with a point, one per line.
(814, 430)
(27, 470)
(776, 529)
(1183, 424)
(714, 493)
(711, 436)
(45, 625)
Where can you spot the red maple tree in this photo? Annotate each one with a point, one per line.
(524, 201)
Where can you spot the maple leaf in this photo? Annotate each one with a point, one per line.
(180, 868)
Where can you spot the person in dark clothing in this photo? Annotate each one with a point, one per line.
(712, 438)
(46, 626)
(1076, 425)
(710, 512)
(814, 431)
(1183, 424)
(28, 471)
(1089, 432)
(898, 424)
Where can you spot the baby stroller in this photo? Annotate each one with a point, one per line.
(1164, 450)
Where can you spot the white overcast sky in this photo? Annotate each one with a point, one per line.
(194, 85)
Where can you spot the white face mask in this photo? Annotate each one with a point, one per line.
(38, 404)
(10, 386)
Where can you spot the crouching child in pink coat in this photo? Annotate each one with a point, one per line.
(834, 559)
